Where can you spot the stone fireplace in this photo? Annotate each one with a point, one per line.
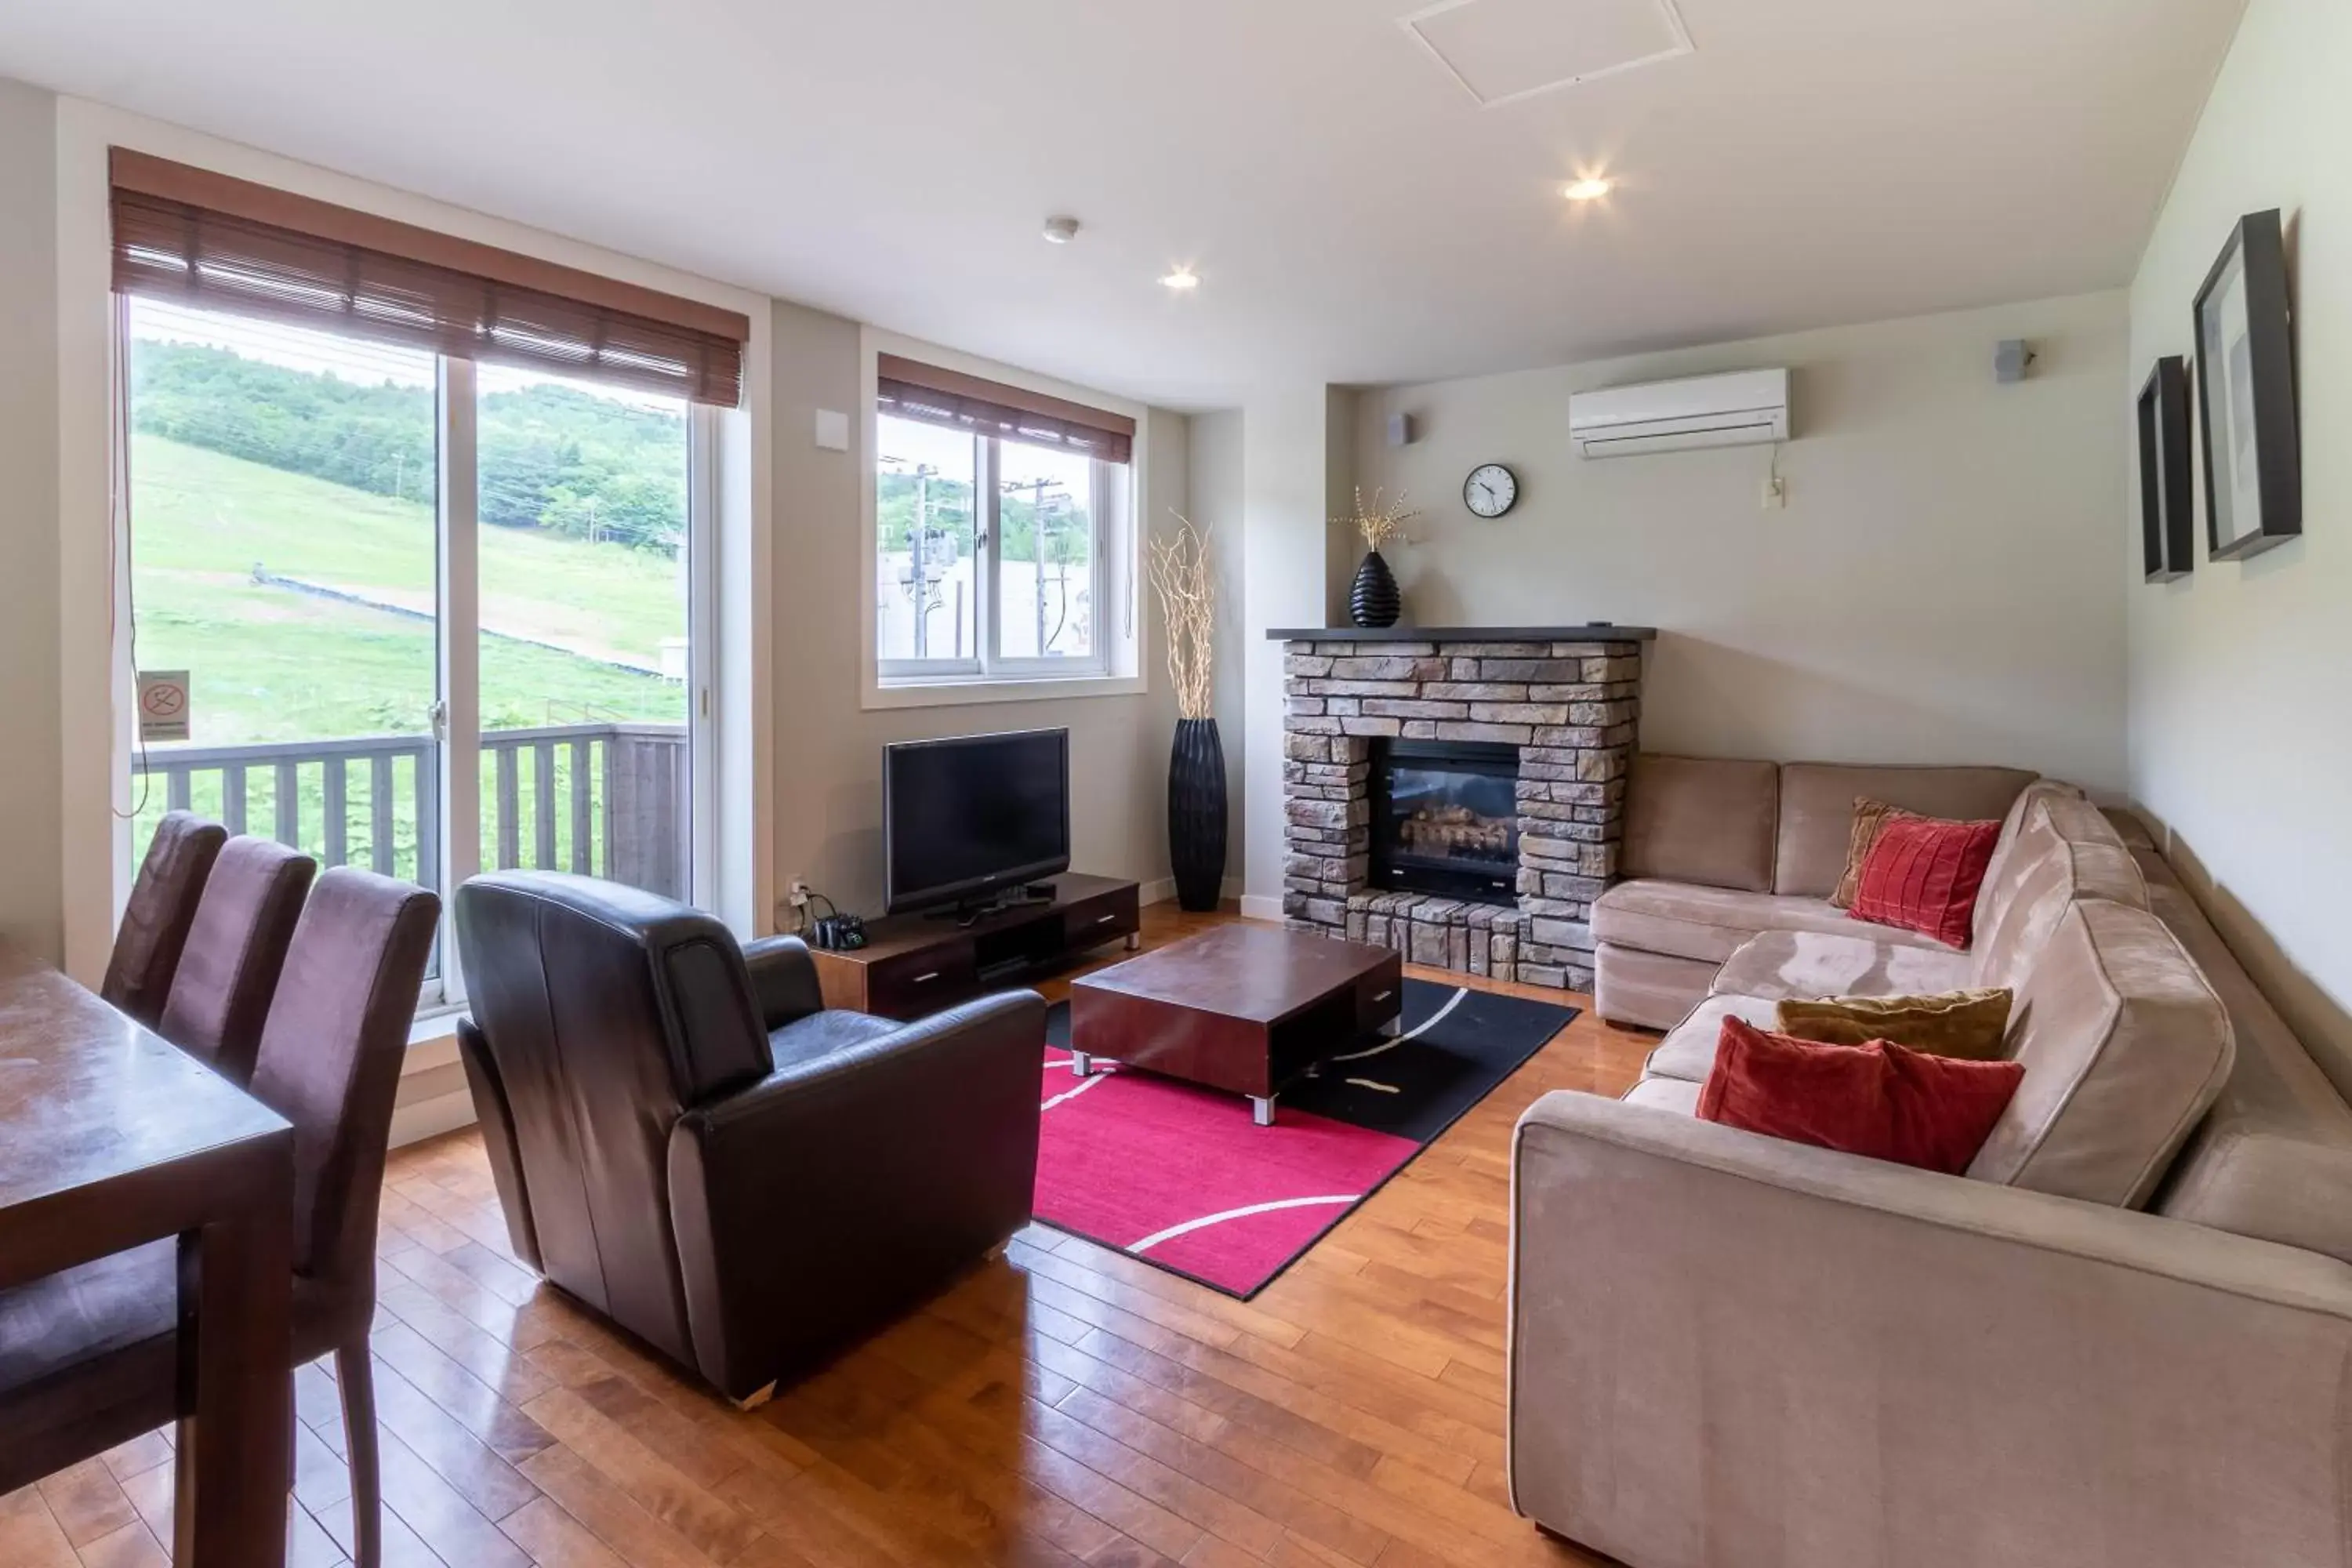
(1457, 794)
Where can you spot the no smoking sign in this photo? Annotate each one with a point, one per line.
(162, 705)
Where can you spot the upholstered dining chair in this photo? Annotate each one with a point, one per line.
(236, 951)
(88, 1358)
(154, 929)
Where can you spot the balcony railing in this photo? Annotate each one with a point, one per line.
(605, 800)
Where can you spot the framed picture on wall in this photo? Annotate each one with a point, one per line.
(2164, 503)
(2245, 394)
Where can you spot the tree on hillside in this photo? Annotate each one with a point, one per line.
(894, 508)
(551, 457)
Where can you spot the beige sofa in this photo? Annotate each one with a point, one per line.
(1717, 851)
(2125, 1336)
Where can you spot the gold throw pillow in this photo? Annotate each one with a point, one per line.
(1972, 1026)
(1870, 817)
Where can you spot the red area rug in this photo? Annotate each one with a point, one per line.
(1181, 1178)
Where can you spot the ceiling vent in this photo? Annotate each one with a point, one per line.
(1503, 50)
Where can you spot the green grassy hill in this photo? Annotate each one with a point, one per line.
(271, 663)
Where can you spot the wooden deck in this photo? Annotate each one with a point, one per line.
(1063, 1405)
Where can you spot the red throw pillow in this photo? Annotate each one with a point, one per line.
(1924, 873)
(1881, 1099)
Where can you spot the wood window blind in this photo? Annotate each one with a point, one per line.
(220, 243)
(912, 389)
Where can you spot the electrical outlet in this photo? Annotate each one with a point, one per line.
(796, 893)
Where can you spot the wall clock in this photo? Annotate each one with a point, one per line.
(1491, 491)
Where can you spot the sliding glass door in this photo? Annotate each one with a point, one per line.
(408, 593)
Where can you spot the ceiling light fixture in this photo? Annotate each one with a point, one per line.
(1183, 280)
(1061, 229)
(1590, 189)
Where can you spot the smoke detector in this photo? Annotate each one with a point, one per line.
(1061, 229)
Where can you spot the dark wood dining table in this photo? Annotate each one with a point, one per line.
(110, 1138)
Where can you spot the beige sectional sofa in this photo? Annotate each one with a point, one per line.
(1719, 850)
(2125, 1336)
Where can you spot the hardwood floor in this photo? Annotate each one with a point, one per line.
(1062, 1405)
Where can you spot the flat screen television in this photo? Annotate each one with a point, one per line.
(965, 819)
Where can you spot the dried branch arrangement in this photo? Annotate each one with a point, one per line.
(1380, 524)
(1188, 597)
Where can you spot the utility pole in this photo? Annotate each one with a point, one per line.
(919, 569)
(1037, 552)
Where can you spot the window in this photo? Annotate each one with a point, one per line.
(434, 558)
(1000, 530)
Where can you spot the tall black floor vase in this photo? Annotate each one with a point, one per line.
(1196, 812)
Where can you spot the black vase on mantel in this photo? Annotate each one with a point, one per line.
(1196, 814)
(1373, 598)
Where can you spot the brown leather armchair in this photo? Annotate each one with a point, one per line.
(687, 1141)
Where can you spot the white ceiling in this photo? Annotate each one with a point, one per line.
(1354, 213)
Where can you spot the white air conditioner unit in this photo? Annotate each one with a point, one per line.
(1745, 408)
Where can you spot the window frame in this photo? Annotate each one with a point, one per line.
(1107, 519)
(1114, 667)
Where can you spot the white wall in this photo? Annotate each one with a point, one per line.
(1286, 472)
(828, 749)
(1342, 407)
(1217, 490)
(1941, 587)
(31, 785)
(2240, 725)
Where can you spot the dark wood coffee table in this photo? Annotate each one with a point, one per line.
(1243, 1008)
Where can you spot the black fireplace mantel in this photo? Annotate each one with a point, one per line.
(1597, 631)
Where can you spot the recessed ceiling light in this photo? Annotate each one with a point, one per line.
(1061, 229)
(1183, 280)
(1587, 190)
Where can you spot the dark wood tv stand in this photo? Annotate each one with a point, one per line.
(915, 964)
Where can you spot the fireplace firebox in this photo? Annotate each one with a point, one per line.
(1445, 819)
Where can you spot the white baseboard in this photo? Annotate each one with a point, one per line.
(1261, 909)
(1164, 890)
(431, 1118)
(428, 1051)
